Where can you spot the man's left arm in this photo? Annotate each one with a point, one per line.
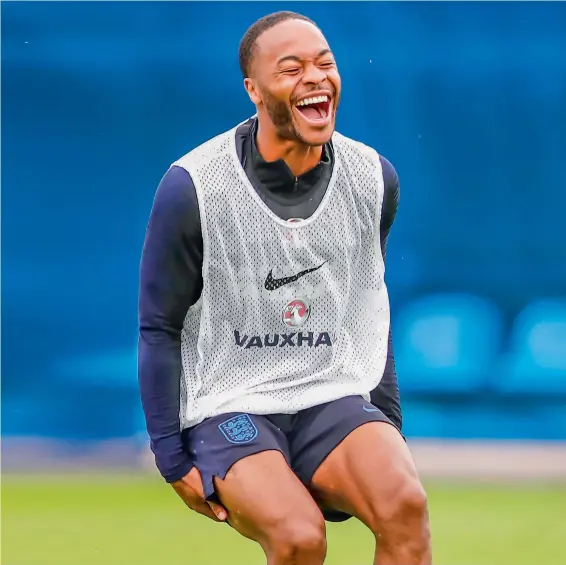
(386, 395)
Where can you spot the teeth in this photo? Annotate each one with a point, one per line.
(315, 100)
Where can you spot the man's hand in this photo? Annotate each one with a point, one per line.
(189, 488)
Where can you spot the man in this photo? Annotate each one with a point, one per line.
(263, 307)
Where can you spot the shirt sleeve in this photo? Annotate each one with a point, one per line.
(170, 282)
(386, 395)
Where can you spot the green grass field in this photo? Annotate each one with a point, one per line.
(114, 520)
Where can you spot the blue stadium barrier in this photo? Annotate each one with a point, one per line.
(445, 343)
(480, 418)
(535, 363)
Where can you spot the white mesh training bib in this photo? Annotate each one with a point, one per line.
(293, 313)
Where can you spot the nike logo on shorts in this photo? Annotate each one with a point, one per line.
(372, 409)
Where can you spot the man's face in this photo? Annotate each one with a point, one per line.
(295, 82)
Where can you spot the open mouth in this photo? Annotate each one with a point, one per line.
(316, 108)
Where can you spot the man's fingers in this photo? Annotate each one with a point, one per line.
(219, 511)
(191, 491)
(207, 511)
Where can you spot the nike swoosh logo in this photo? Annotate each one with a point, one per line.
(274, 284)
(366, 409)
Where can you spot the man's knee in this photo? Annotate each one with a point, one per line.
(297, 540)
(407, 506)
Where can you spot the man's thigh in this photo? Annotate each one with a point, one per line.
(267, 503)
(320, 431)
(367, 473)
(244, 463)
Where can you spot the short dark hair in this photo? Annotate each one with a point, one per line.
(248, 43)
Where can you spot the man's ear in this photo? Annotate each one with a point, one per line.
(253, 91)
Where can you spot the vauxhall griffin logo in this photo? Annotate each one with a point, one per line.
(296, 313)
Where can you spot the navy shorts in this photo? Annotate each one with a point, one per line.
(305, 439)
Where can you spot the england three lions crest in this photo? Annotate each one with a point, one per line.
(239, 429)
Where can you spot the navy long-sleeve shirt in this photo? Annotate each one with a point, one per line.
(171, 282)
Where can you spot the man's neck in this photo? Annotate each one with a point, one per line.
(299, 157)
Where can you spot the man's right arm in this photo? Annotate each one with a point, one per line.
(170, 282)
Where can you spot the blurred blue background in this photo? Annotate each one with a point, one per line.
(468, 101)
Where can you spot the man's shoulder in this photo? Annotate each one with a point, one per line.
(362, 149)
(206, 152)
(390, 177)
(367, 152)
(209, 151)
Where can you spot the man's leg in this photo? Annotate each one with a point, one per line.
(371, 475)
(267, 503)
(356, 462)
(243, 461)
